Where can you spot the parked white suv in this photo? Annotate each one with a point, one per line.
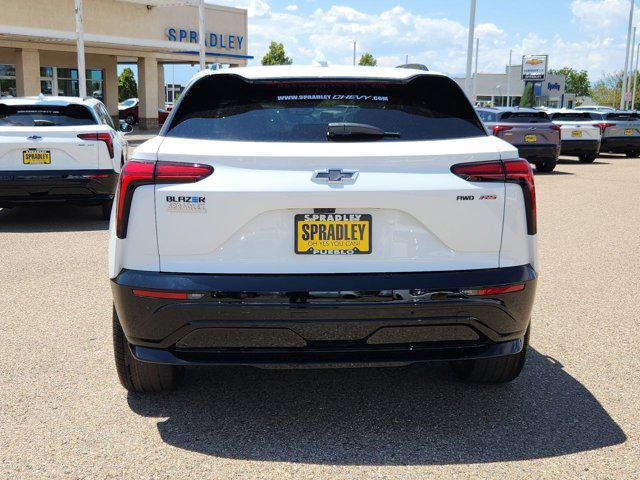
(58, 149)
(322, 215)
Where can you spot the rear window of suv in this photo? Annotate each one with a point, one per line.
(572, 117)
(45, 116)
(524, 117)
(227, 107)
(623, 116)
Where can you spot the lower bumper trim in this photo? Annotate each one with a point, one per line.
(325, 356)
(55, 186)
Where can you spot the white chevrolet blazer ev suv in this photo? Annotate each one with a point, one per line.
(322, 216)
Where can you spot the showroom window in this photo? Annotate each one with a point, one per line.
(64, 81)
(7, 80)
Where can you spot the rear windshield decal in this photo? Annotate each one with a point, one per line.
(373, 98)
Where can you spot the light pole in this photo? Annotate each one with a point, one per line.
(472, 26)
(354, 53)
(627, 85)
(635, 79)
(509, 80)
(201, 34)
(626, 55)
(475, 74)
(82, 74)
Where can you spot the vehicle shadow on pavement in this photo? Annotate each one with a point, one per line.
(380, 416)
(551, 174)
(570, 161)
(49, 218)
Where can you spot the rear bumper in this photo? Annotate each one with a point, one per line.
(579, 147)
(324, 319)
(533, 152)
(620, 144)
(52, 186)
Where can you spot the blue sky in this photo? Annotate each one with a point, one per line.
(587, 34)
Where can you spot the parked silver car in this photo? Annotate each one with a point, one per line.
(620, 132)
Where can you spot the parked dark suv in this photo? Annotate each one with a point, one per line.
(531, 131)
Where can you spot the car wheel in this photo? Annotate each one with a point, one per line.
(546, 165)
(106, 209)
(588, 157)
(131, 120)
(632, 153)
(493, 370)
(137, 376)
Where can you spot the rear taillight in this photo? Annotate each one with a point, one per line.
(480, 172)
(501, 128)
(494, 290)
(135, 174)
(512, 171)
(520, 172)
(555, 127)
(603, 126)
(100, 137)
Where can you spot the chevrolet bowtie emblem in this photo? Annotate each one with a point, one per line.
(335, 175)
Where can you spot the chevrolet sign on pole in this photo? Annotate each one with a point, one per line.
(534, 68)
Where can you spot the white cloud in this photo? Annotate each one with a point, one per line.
(440, 43)
(292, 8)
(600, 15)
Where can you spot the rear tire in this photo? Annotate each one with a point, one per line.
(106, 209)
(588, 157)
(632, 153)
(546, 165)
(137, 376)
(492, 370)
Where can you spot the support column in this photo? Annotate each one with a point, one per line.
(148, 93)
(110, 87)
(27, 72)
(161, 92)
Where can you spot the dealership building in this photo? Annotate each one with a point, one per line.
(502, 89)
(39, 46)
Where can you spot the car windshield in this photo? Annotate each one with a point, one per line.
(128, 103)
(45, 116)
(226, 107)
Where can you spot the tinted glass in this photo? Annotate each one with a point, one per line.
(227, 107)
(487, 116)
(7, 70)
(623, 117)
(29, 116)
(572, 117)
(524, 117)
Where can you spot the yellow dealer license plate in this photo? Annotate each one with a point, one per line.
(576, 134)
(628, 131)
(34, 155)
(332, 234)
(531, 138)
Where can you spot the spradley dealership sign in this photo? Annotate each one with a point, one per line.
(534, 67)
(227, 41)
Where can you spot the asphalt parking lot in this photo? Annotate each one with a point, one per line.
(573, 413)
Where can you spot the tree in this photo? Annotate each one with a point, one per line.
(367, 60)
(606, 91)
(127, 86)
(528, 96)
(275, 55)
(577, 80)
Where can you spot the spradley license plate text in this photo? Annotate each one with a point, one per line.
(333, 234)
